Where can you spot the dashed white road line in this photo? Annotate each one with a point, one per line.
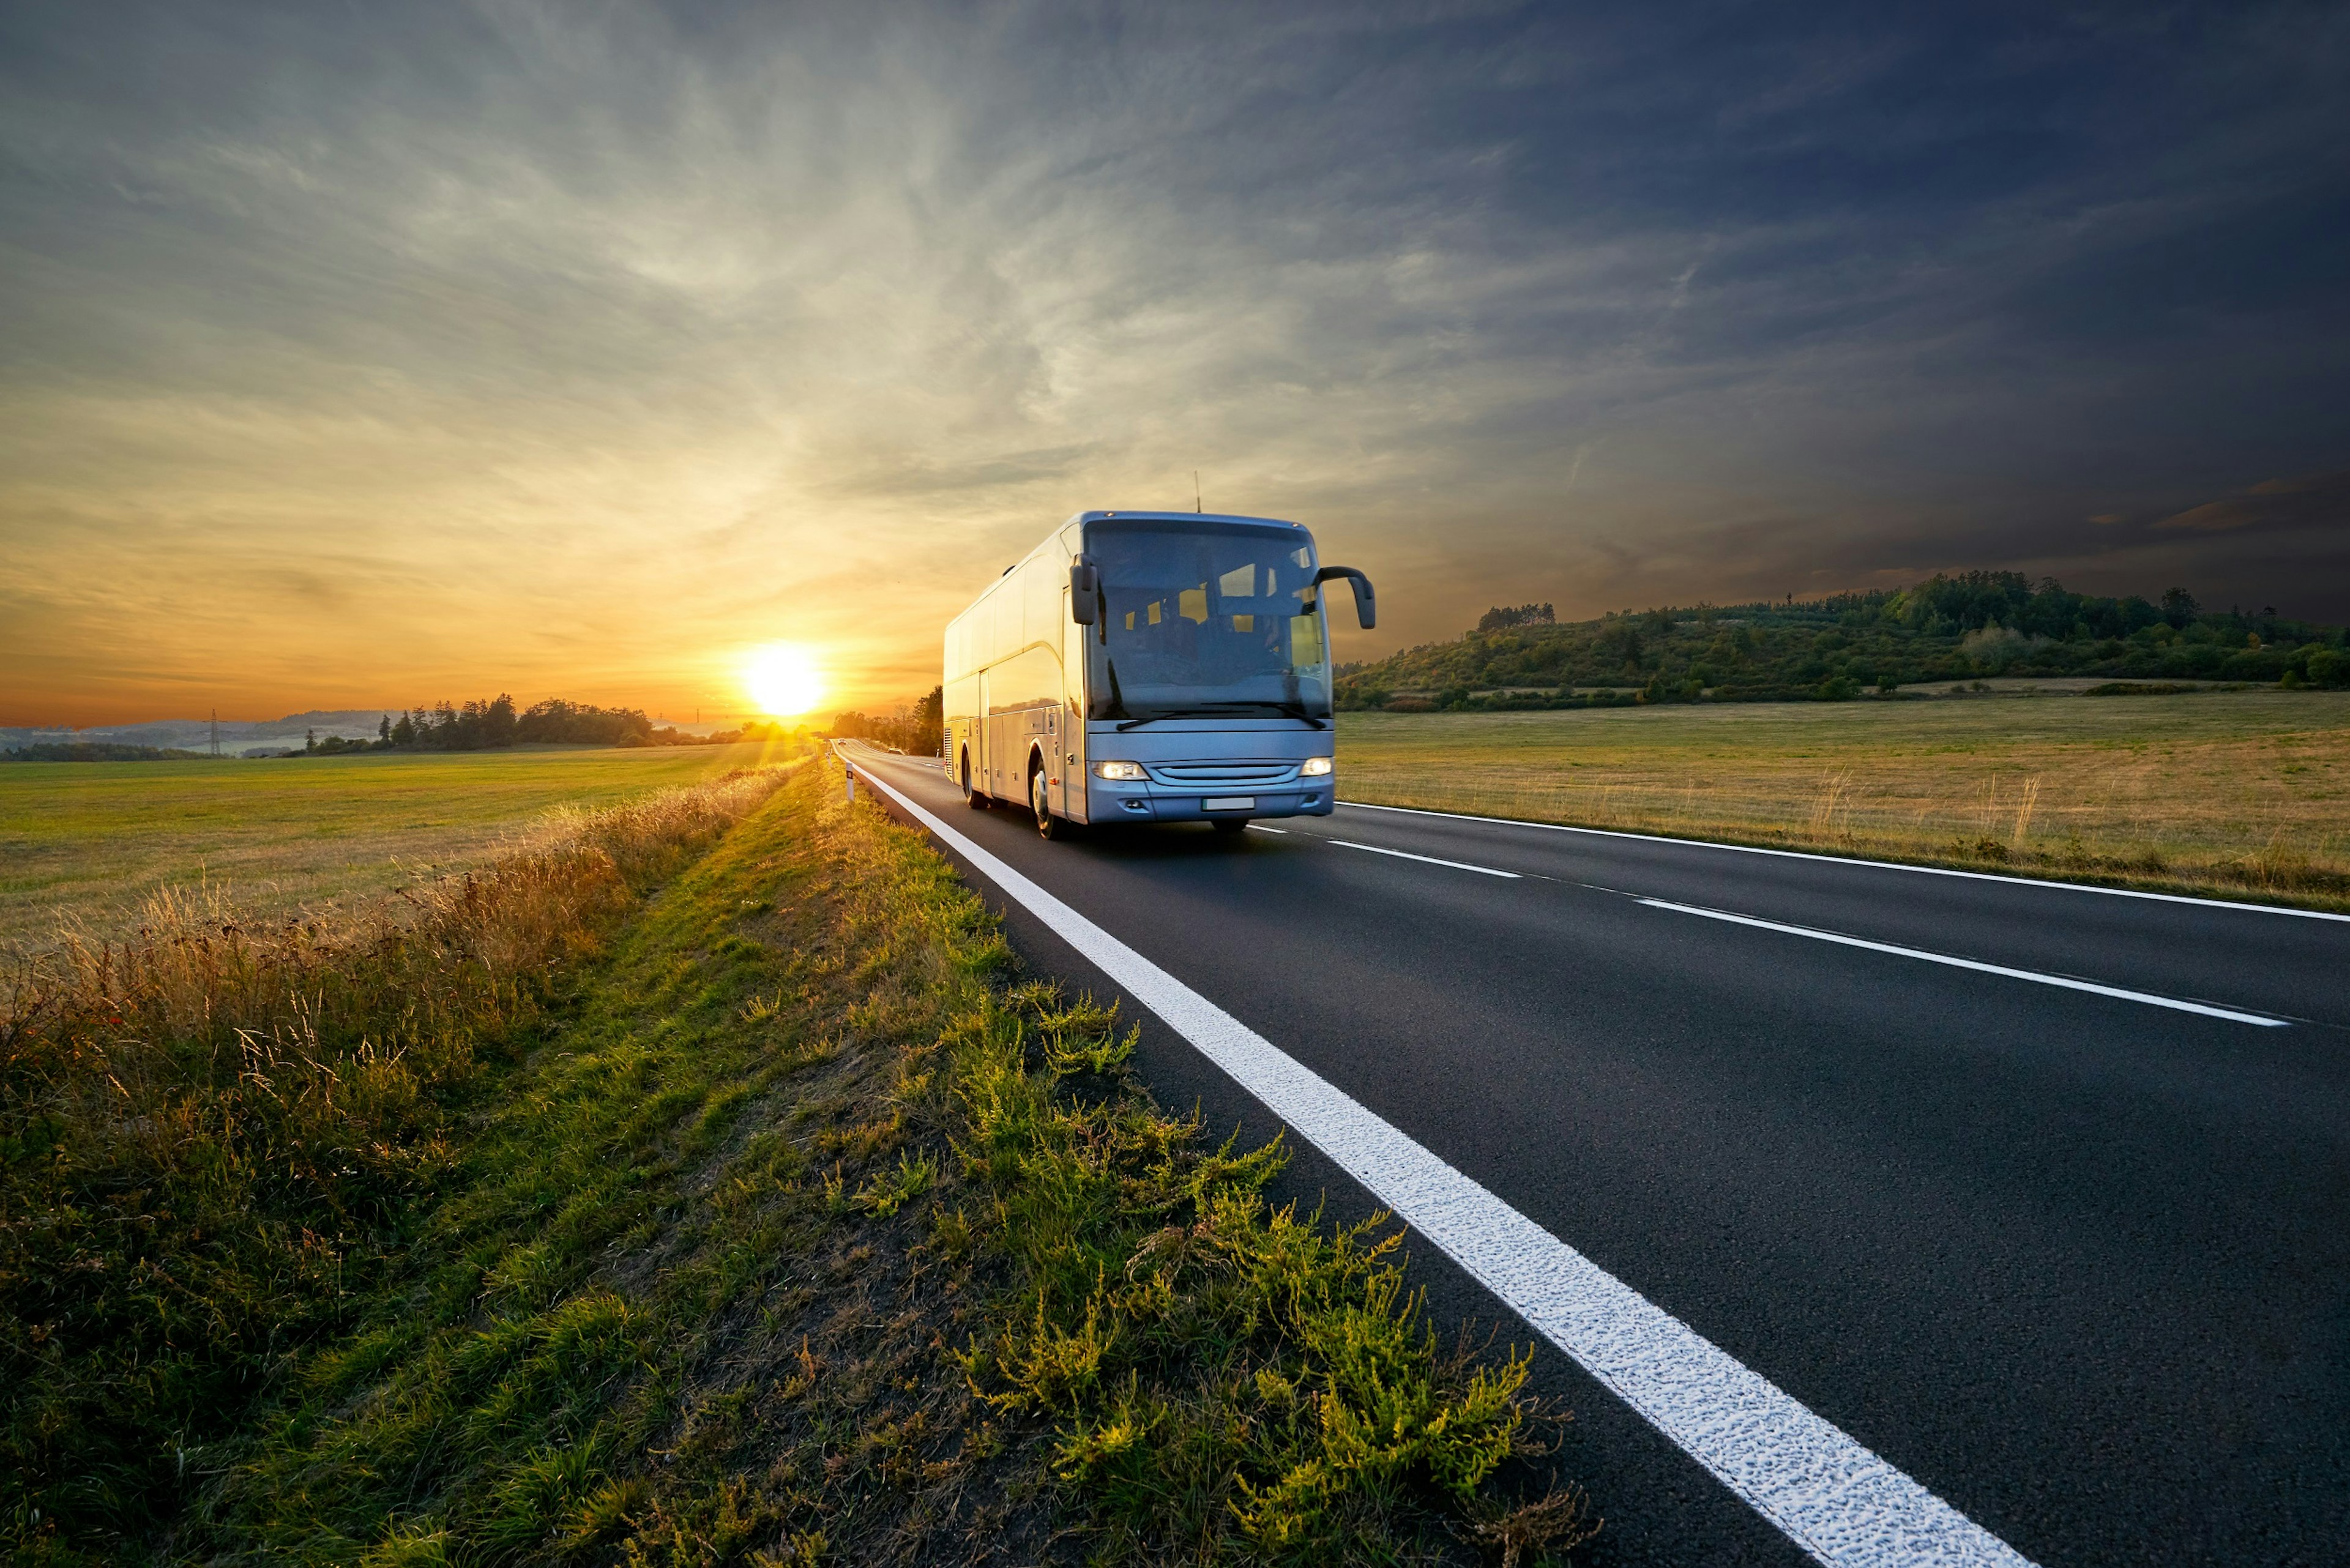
(1261, 827)
(2043, 882)
(1424, 859)
(1835, 1499)
(2035, 976)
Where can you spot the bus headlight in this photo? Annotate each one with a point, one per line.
(1315, 767)
(1118, 770)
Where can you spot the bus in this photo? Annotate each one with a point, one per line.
(1148, 666)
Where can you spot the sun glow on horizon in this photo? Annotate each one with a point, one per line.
(783, 679)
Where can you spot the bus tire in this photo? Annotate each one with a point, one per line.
(1047, 824)
(974, 798)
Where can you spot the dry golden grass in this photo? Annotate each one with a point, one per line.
(2245, 792)
(787, 1229)
(110, 1035)
(210, 1128)
(85, 842)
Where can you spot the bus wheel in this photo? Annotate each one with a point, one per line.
(1231, 824)
(974, 798)
(1047, 824)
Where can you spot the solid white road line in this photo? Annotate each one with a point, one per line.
(1856, 860)
(1424, 859)
(1835, 1499)
(2033, 975)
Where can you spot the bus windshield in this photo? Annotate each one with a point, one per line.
(1213, 621)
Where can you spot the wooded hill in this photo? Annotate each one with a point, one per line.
(1948, 629)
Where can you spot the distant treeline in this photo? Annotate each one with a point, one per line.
(487, 724)
(94, 752)
(1949, 628)
(918, 730)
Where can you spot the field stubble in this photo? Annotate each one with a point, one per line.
(82, 843)
(2229, 792)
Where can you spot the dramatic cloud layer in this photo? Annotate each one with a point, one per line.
(377, 354)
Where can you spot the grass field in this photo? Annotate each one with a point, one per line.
(88, 840)
(2240, 791)
(697, 1185)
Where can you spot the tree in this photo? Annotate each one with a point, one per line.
(2178, 607)
(582, 723)
(1622, 642)
(930, 722)
(498, 721)
(1499, 619)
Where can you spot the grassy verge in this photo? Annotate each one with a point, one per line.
(214, 1136)
(810, 1234)
(2234, 794)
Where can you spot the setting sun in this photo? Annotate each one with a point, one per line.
(783, 679)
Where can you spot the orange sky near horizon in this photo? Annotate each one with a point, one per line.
(365, 358)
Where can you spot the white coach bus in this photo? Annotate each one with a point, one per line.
(1143, 667)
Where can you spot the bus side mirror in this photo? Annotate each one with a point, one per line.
(1084, 592)
(1366, 604)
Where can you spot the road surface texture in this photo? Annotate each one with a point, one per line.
(1838, 1248)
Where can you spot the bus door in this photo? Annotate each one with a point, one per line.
(980, 779)
(1069, 763)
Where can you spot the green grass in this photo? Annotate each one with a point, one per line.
(216, 1141)
(84, 840)
(806, 1231)
(2238, 793)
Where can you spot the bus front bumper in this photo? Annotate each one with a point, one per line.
(1107, 801)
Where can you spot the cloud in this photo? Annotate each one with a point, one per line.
(576, 351)
(913, 476)
(2316, 498)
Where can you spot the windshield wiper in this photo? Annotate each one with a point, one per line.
(1221, 710)
(1287, 709)
(1173, 713)
(1297, 710)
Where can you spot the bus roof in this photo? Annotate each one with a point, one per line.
(1182, 517)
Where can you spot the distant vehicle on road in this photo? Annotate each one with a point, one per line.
(1140, 667)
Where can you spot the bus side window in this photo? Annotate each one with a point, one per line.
(1304, 639)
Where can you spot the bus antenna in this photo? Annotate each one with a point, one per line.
(1196, 504)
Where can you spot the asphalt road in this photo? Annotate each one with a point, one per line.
(2075, 1260)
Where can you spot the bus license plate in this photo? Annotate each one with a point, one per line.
(1230, 802)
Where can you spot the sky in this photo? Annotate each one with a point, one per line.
(371, 354)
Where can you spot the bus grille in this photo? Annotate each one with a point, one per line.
(1217, 775)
